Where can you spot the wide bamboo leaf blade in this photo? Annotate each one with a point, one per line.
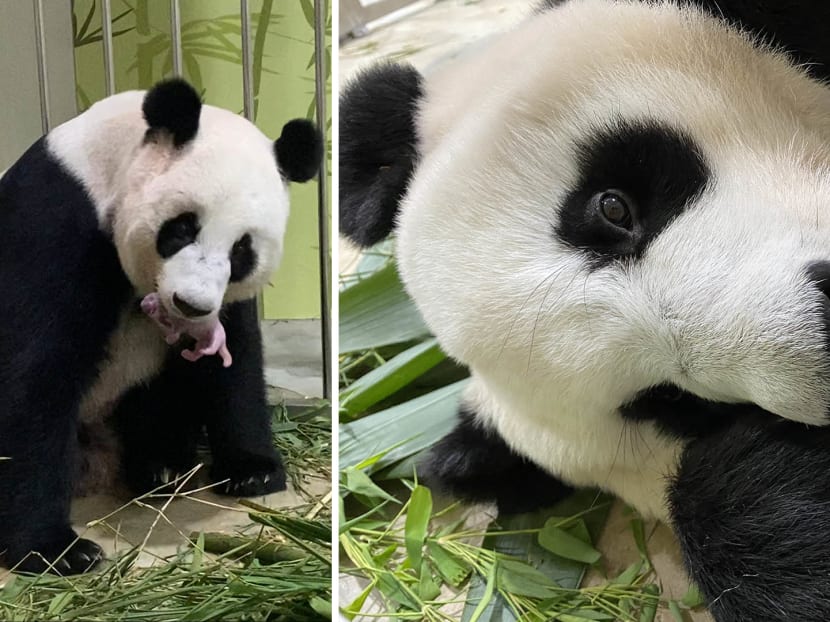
(565, 573)
(377, 311)
(390, 377)
(407, 428)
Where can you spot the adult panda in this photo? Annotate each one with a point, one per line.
(133, 239)
(617, 216)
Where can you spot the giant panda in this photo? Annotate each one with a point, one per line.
(133, 239)
(617, 216)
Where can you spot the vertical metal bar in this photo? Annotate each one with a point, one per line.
(42, 78)
(106, 31)
(248, 95)
(322, 202)
(176, 36)
(247, 61)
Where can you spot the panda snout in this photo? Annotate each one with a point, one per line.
(187, 309)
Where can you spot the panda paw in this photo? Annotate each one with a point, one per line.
(253, 481)
(82, 556)
(160, 478)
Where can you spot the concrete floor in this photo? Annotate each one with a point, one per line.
(426, 39)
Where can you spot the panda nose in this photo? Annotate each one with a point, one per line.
(187, 309)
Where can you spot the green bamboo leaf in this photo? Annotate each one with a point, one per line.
(393, 375)
(628, 576)
(427, 588)
(564, 544)
(377, 311)
(447, 565)
(417, 523)
(649, 610)
(674, 609)
(520, 578)
(693, 598)
(487, 596)
(407, 428)
(359, 483)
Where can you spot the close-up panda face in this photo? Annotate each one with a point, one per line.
(642, 209)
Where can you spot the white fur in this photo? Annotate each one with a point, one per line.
(718, 305)
(135, 354)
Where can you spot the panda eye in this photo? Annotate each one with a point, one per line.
(176, 233)
(614, 208)
(243, 258)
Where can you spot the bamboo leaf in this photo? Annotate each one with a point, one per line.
(408, 427)
(417, 522)
(395, 374)
(377, 312)
(564, 544)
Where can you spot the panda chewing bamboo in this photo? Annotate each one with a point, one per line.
(133, 240)
(618, 216)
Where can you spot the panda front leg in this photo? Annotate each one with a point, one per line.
(37, 445)
(159, 423)
(475, 464)
(237, 414)
(751, 508)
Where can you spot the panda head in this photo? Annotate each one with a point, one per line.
(199, 207)
(614, 196)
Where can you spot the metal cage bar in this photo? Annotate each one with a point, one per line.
(42, 77)
(176, 36)
(322, 205)
(106, 34)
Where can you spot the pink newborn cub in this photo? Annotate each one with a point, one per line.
(209, 334)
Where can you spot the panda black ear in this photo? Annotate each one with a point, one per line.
(378, 149)
(173, 106)
(299, 150)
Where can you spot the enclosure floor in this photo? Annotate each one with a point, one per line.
(426, 39)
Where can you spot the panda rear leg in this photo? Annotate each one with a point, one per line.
(37, 439)
(474, 463)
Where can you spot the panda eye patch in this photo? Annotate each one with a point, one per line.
(662, 172)
(243, 258)
(177, 233)
(614, 208)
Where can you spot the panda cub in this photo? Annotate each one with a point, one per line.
(133, 240)
(617, 216)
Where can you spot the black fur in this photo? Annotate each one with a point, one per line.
(186, 397)
(658, 168)
(801, 27)
(475, 464)
(681, 415)
(56, 269)
(243, 258)
(299, 150)
(173, 106)
(751, 508)
(378, 149)
(176, 233)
